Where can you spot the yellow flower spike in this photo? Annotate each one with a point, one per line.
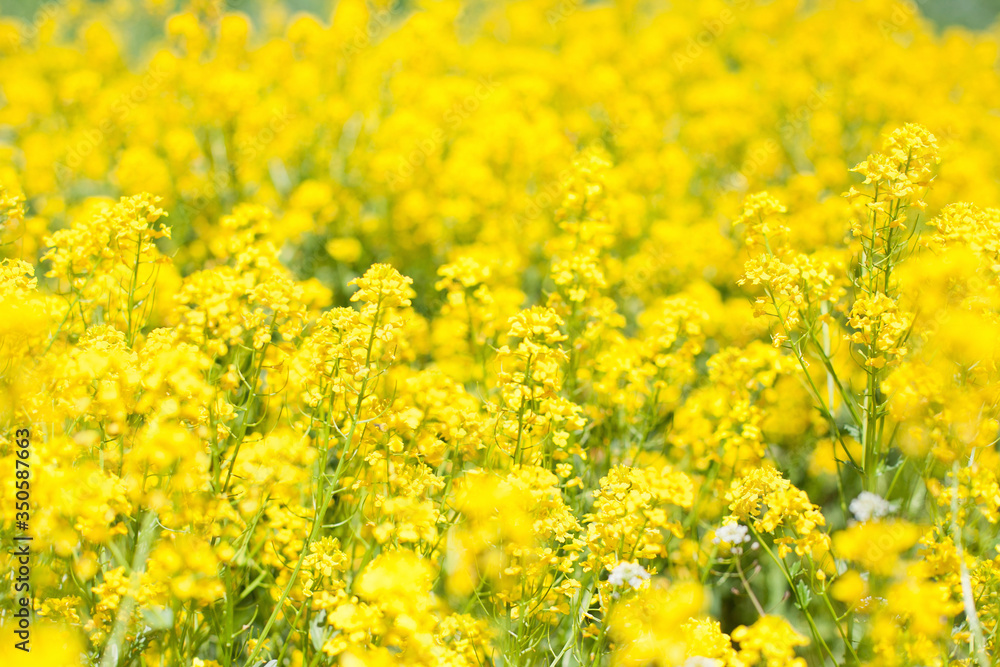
(648, 627)
(383, 286)
(771, 641)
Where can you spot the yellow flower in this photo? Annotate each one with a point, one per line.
(849, 588)
(876, 545)
(769, 641)
(649, 628)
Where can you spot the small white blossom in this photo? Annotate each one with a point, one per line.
(733, 534)
(701, 661)
(870, 505)
(631, 573)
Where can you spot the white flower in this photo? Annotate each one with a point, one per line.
(633, 573)
(701, 661)
(870, 505)
(732, 534)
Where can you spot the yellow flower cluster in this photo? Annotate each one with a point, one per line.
(531, 333)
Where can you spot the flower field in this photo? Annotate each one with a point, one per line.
(542, 333)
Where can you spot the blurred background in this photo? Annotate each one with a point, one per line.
(967, 13)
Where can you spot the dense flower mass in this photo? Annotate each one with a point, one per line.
(535, 333)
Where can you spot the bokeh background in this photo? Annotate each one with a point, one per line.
(967, 13)
(974, 14)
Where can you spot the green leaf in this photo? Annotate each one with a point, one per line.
(158, 618)
(317, 630)
(805, 595)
